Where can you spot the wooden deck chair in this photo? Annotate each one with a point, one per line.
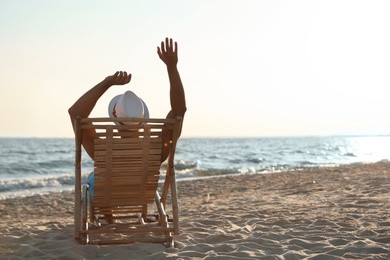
(126, 189)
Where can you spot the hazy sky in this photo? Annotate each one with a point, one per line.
(249, 68)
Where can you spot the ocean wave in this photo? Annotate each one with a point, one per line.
(32, 164)
(235, 161)
(349, 155)
(38, 183)
(181, 165)
(220, 171)
(55, 166)
(18, 169)
(256, 160)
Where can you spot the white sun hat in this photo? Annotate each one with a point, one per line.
(128, 104)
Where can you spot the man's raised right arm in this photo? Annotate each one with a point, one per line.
(168, 54)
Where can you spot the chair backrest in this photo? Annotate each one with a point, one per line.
(127, 158)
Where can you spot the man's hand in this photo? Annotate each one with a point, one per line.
(119, 78)
(168, 53)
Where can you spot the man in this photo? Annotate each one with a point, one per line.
(84, 105)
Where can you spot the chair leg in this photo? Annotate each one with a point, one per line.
(170, 243)
(145, 212)
(84, 215)
(91, 213)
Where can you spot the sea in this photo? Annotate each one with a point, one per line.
(32, 166)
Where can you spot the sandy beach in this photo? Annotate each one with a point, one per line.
(318, 213)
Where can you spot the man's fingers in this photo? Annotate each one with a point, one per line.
(159, 52)
(167, 46)
(127, 79)
(162, 47)
(122, 77)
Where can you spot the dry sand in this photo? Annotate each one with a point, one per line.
(320, 213)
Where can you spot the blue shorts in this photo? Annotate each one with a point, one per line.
(91, 183)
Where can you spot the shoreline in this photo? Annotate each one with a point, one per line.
(333, 212)
(52, 190)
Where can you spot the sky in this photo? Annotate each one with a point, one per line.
(249, 68)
